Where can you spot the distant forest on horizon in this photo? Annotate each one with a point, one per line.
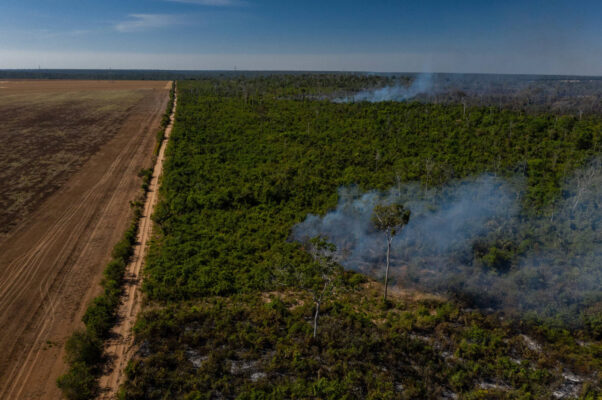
(529, 93)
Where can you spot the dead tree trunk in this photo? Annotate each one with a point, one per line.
(316, 318)
(389, 238)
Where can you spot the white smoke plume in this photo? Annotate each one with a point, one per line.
(554, 267)
(422, 83)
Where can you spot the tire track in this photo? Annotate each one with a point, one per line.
(30, 263)
(43, 275)
(28, 363)
(132, 147)
(119, 349)
(34, 262)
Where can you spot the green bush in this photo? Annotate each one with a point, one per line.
(497, 259)
(100, 316)
(81, 347)
(123, 249)
(114, 272)
(79, 383)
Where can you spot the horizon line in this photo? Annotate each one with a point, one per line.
(316, 71)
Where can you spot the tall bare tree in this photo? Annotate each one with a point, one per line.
(390, 219)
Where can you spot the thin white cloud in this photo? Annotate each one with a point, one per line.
(143, 22)
(213, 3)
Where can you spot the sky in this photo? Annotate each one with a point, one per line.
(482, 36)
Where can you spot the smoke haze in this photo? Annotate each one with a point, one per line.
(471, 239)
(422, 83)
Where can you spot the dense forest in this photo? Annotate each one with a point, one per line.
(232, 296)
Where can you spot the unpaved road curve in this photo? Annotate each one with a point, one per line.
(51, 268)
(120, 347)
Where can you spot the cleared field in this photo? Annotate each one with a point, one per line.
(49, 129)
(69, 159)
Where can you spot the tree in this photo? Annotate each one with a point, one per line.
(321, 277)
(390, 219)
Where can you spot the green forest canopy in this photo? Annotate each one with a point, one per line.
(248, 159)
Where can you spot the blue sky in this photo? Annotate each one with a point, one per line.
(529, 36)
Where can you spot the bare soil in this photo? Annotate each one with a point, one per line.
(52, 257)
(49, 129)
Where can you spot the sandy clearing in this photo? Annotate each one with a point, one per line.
(51, 267)
(120, 347)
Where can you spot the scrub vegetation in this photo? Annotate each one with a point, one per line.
(249, 159)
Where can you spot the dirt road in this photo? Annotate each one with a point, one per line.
(50, 268)
(120, 348)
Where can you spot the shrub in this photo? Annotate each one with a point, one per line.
(79, 383)
(99, 316)
(81, 347)
(123, 250)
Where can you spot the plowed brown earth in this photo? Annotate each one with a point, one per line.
(51, 260)
(48, 129)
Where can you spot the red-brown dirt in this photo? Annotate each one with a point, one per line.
(51, 262)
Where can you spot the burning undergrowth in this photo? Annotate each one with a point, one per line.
(470, 239)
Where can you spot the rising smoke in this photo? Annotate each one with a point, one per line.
(422, 83)
(471, 239)
(567, 94)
